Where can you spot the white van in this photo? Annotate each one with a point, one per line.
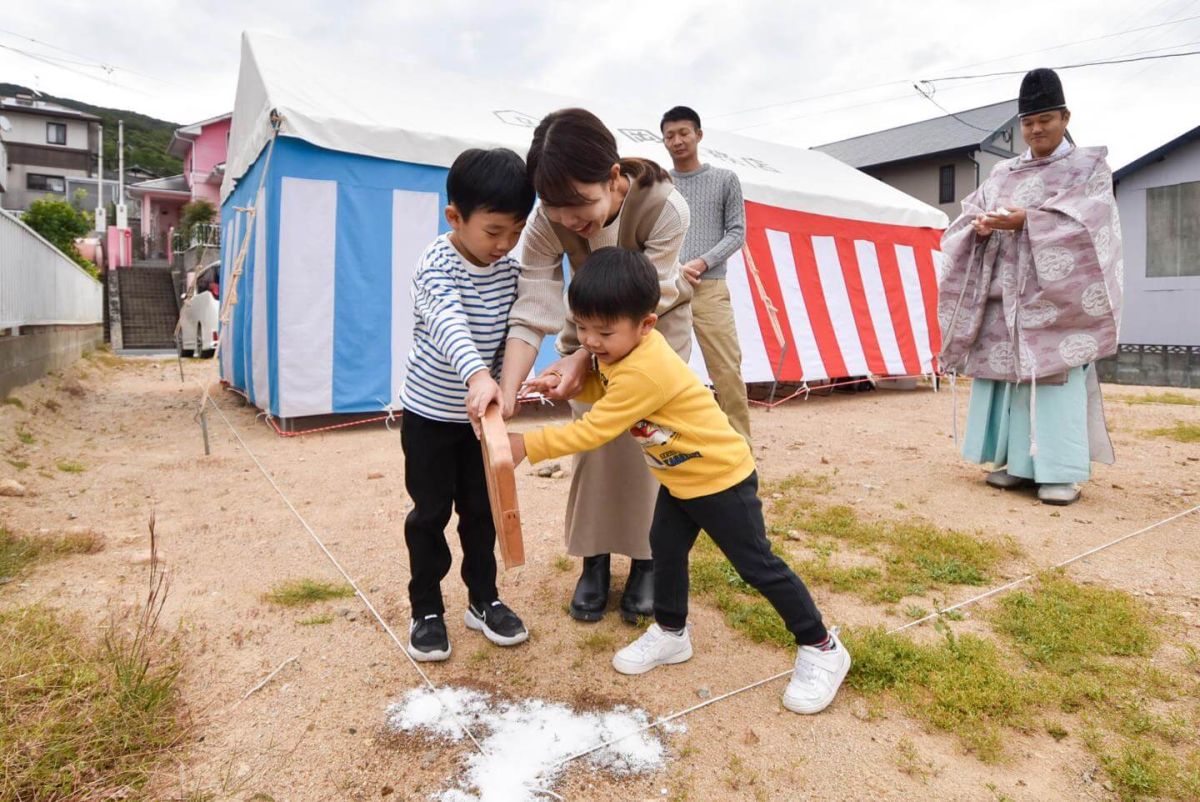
(199, 317)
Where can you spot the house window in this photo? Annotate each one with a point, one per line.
(1173, 230)
(56, 133)
(45, 183)
(946, 184)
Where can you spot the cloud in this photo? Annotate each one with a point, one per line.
(719, 57)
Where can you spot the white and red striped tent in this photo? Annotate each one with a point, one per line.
(817, 297)
(837, 278)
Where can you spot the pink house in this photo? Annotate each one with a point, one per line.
(202, 146)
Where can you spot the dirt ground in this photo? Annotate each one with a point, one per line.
(316, 731)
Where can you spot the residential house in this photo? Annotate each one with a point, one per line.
(939, 161)
(47, 146)
(202, 146)
(1158, 197)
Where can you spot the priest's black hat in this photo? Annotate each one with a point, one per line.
(1041, 90)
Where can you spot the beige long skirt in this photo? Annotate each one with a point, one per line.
(612, 493)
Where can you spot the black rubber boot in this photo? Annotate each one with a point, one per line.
(638, 599)
(591, 592)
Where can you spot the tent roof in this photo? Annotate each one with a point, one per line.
(959, 131)
(417, 114)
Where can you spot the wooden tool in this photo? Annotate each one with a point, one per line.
(502, 486)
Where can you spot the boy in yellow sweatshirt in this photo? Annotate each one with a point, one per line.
(640, 385)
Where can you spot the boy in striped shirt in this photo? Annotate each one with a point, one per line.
(463, 289)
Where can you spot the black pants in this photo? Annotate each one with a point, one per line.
(733, 519)
(443, 466)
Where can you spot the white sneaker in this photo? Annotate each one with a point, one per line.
(655, 648)
(817, 677)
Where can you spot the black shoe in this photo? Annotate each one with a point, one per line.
(498, 624)
(638, 599)
(591, 592)
(427, 639)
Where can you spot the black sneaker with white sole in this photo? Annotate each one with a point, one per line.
(498, 624)
(427, 639)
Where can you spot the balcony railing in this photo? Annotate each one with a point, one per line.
(205, 234)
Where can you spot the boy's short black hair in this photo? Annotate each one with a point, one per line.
(678, 114)
(614, 283)
(490, 181)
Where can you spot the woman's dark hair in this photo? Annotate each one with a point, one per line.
(680, 114)
(573, 145)
(490, 181)
(612, 284)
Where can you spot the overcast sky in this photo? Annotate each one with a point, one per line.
(800, 73)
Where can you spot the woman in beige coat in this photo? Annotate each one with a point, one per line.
(591, 198)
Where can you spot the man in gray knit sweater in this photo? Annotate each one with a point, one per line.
(717, 231)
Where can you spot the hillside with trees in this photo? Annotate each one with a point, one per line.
(146, 138)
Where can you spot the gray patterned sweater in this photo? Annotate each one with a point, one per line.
(718, 216)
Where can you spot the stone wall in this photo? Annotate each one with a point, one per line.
(1155, 365)
(37, 350)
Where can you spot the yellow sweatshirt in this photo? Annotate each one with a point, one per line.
(655, 396)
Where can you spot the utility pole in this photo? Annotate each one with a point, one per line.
(101, 212)
(122, 218)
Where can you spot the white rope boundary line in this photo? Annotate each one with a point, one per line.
(357, 590)
(686, 711)
(1007, 586)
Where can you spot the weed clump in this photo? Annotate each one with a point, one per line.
(304, 592)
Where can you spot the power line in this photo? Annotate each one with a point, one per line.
(61, 64)
(1066, 66)
(965, 66)
(108, 68)
(928, 95)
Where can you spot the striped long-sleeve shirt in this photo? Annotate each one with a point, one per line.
(460, 321)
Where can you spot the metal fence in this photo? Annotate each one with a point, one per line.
(202, 234)
(39, 286)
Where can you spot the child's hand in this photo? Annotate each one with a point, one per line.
(516, 443)
(543, 383)
(482, 392)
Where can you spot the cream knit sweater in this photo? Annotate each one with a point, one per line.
(541, 307)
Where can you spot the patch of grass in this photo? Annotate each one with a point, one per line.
(1142, 770)
(18, 552)
(910, 762)
(961, 685)
(1065, 627)
(1178, 399)
(13, 401)
(104, 357)
(316, 620)
(19, 464)
(598, 642)
(67, 466)
(1181, 432)
(24, 436)
(910, 558)
(81, 719)
(303, 592)
(563, 563)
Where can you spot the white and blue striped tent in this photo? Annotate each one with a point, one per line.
(352, 190)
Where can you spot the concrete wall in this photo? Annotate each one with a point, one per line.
(1165, 310)
(38, 350)
(31, 128)
(920, 178)
(18, 198)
